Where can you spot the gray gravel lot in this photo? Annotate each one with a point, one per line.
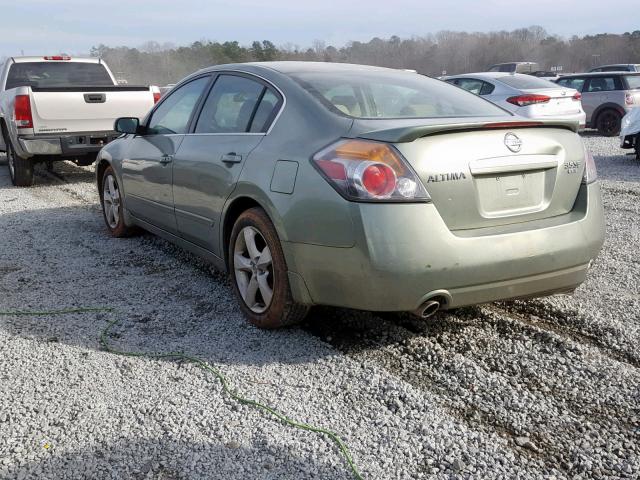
(547, 388)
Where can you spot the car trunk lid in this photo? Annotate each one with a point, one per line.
(507, 173)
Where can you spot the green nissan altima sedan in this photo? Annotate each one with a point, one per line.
(355, 186)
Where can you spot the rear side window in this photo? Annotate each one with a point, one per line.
(231, 105)
(57, 74)
(575, 83)
(470, 85)
(267, 109)
(173, 114)
(393, 94)
(525, 82)
(602, 84)
(633, 82)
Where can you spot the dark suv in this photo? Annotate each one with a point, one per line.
(606, 97)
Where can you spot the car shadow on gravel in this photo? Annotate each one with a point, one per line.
(167, 459)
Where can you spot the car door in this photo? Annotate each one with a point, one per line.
(598, 91)
(146, 170)
(589, 100)
(232, 122)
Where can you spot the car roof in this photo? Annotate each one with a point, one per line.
(488, 75)
(287, 67)
(40, 58)
(599, 74)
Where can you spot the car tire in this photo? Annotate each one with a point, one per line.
(637, 147)
(113, 205)
(20, 169)
(259, 275)
(609, 122)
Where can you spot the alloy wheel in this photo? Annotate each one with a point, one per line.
(111, 201)
(253, 267)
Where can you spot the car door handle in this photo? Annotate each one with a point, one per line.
(164, 159)
(231, 157)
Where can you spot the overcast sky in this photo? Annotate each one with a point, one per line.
(73, 26)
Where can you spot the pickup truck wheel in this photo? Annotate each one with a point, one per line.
(20, 169)
(259, 273)
(113, 206)
(609, 122)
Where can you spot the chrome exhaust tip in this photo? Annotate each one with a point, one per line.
(427, 309)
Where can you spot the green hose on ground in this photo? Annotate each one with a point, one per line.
(205, 366)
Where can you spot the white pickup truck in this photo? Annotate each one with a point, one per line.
(61, 108)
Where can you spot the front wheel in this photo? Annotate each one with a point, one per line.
(113, 205)
(259, 273)
(608, 123)
(20, 169)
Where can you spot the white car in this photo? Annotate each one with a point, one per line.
(61, 108)
(524, 95)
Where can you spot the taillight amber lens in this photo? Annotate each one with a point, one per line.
(365, 170)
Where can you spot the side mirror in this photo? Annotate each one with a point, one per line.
(127, 125)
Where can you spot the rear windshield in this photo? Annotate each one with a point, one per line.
(633, 82)
(371, 94)
(526, 82)
(57, 74)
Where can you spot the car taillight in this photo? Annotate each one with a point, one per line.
(577, 96)
(57, 57)
(628, 99)
(590, 174)
(22, 112)
(156, 97)
(364, 170)
(525, 100)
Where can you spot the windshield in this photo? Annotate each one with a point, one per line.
(57, 74)
(376, 94)
(526, 82)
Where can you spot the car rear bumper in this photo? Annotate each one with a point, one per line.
(71, 145)
(405, 254)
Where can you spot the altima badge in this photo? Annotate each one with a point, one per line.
(513, 142)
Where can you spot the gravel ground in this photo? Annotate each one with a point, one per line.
(547, 388)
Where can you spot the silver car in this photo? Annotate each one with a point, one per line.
(606, 97)
(354, 186)
(524, 95)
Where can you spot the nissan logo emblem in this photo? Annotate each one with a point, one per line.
(512, 142)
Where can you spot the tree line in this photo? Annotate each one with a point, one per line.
(433, 54)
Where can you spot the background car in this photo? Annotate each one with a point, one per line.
(524, 95)
(355, 186)
(514, 67)
(606, 97)
(619, 67)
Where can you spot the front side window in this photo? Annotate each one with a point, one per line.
(393, 94)
(230, 106)
(173, 114)
(601, 84)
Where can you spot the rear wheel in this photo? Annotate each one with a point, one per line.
(608, 123)
(259, 273)
(113, 205)
(20, 169)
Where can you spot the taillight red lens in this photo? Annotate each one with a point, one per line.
(368, 170)
(22, 112)
(577, 96)
(530, 99)
(156, 97)
(57, 57)
(379, 180)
